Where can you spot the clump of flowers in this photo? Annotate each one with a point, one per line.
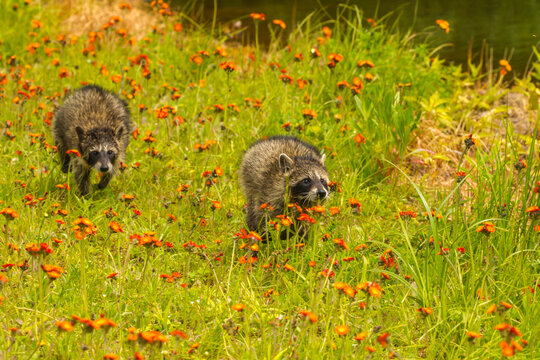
(487, 228)
(83, 227)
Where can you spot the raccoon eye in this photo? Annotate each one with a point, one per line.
(323, 182)
(306, 181)
(94, 153)
(110, 152)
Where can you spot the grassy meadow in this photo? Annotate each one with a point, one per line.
(427, 247)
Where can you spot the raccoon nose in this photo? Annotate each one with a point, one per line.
(321, 194)
(104, 168)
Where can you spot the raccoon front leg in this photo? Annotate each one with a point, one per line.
(253, 221)
(105, 179)
(64, 158)
(82, 176)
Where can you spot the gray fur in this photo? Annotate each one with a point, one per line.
(271, 169)
(97, 123)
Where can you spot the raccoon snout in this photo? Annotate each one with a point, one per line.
(104, 168)
(321, 194)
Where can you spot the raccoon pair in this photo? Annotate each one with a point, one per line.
(280, 170)
(97, 124)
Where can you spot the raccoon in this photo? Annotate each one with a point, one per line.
(97, 124)
(280, 169)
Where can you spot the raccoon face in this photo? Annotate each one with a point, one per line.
(102, 157)
(308, 179)
(99, 148)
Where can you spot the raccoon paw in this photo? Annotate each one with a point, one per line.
(65, 167)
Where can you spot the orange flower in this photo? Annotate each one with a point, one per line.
(474, 335)
(340, 243)
(383, 339)
(371, 287)
(238, 307)
(318, 209)
(425, 310)
(257, 16)
(327, 32)
(35, 249)
(443, 24)
(505, 67)
(289, 267)
(64, 325)
(53, 271)
(361, 336)
(63, 73)
(507, 349)
(115, 227)
(74, 151)
(9, 213)
(365, 64)
(309, 114)
(82, 227)
(179, 333)
(128, 198)
(491, 309)
(337, 58)
(228, 66)
(359, 139)
(178, 27)
(334, 210)
(279, 23)
(111, 357)
(153, 337)
(487, 228)
(309, 315)
(342, 330)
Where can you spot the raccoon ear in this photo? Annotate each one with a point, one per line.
(323, 158)
(80, 133)
(285, 163)
(119, 132)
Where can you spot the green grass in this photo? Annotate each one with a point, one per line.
(457, 287)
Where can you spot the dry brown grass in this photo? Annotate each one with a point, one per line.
(80, 16)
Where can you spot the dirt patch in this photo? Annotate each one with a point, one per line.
(85, 16)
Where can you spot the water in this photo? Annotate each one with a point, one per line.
(509, 27)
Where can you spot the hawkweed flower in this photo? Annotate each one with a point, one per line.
(460, 176)
(9, 214)
(520, 165)
(257, 16)
(238, 307)
(279, 23)
(342, 330)
(383, 339)
(406, 215)
(443, 24)
(83, 227)
(115, 227)
(361, 336)
(365, 64)
(41, 249)
(487, 228)
(469, 142)
(533, 211)
(371, 288)
(345, 289)
(425, 311)
(505, 67)
(228, 66)
(66, 326)
(53, 271)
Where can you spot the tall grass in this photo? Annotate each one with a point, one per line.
(438, 275)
